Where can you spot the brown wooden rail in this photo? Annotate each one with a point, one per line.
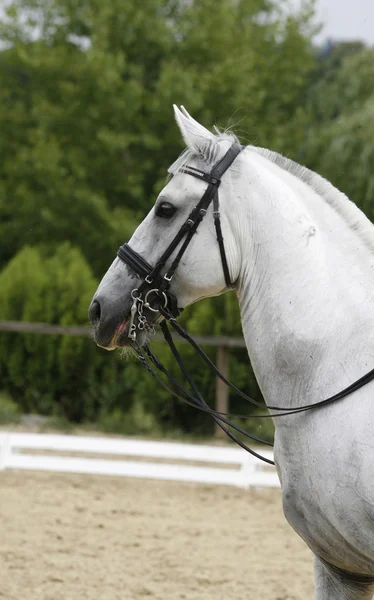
(223, 343)
(46, 328)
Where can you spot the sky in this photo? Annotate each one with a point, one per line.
(346, 20)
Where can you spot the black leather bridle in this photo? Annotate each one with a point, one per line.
(155, 283)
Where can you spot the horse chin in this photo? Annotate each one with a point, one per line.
(124, 342)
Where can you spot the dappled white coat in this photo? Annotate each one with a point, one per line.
(302, 256)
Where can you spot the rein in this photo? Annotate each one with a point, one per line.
(156, 285)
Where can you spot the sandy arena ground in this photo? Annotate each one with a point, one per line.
(73, 537)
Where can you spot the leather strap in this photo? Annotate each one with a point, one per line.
(221, 245)
(143, 270)
(141, 267)
(152, 275)
(282, 411)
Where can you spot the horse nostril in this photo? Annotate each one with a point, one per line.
(94, 312)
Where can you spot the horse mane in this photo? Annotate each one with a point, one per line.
(349, 212)
(352, 215)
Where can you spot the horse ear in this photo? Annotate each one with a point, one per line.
(198, 138)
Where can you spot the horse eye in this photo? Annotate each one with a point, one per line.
(165, 210)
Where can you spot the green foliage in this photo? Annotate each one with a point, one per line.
(344, 153)
(9, 410)
(87, 135)
(135, 422)
(332, 80)
(52, 374)
(340, 141)
(61, 157)
(57, 423)
(85, 105)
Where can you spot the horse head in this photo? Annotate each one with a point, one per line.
(173, 258)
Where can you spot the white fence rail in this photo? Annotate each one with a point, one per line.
(218, 464)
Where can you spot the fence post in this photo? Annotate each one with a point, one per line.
(222, 391)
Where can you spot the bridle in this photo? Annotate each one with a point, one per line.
(156, 285)
(153, 279)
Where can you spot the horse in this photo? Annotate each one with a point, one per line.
(300, 257)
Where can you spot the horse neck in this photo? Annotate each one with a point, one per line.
(305, 293)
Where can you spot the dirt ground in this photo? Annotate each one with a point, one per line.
(73, 537)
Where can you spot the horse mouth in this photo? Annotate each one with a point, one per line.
(121, 337)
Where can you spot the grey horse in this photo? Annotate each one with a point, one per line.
(301, 255)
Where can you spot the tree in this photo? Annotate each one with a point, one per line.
(85, 113)
(51, 374)
(340, 140)
(85, 105)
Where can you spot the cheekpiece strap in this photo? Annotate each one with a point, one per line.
(214, 179)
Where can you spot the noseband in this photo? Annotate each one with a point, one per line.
(153, 293)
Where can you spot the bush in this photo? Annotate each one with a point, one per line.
(137, 421)
(56, 375)
(9, 411)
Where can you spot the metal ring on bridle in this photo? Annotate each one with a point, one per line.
(133, 296)
(157, 292)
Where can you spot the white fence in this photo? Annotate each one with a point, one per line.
(218, 464)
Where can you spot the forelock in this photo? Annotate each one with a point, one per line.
(208, 157)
